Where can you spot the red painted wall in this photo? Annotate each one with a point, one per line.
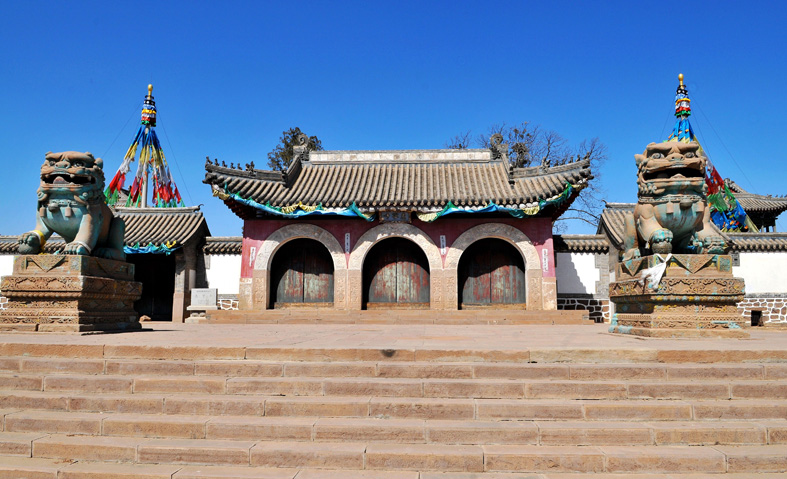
(539, 230)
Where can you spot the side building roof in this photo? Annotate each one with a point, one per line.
(416, 180)
(144, 226)
(754, 203)
(580, 243)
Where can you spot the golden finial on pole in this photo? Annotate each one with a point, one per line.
(680, 78)
(150, 88)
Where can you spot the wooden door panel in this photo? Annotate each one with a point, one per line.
(317, 279)
(477, 283)
(398, 273)
(491, 273)
(302, 272)
(383, 287)
(290, 288)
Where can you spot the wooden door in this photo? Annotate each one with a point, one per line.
(396, 275)
(491, 274)
(302, 274)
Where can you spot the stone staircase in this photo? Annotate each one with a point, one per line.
(100, 411)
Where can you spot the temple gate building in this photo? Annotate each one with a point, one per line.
(414, 229)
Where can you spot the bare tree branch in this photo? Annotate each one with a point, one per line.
(530, 145)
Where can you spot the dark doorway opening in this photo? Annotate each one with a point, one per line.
(156, 272)
(396, 276)
(491, 274)
(302, 275)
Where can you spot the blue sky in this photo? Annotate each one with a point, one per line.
(229, 77)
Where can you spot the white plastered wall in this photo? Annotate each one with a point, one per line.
(6, 264)
(576, 273)
(763, 272)
(223, 272)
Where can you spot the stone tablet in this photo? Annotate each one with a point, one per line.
(204, 296)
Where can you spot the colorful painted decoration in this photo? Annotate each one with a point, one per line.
(164, 248)
(726, 213)
(294, 211)
(491, 207)
(165, 193)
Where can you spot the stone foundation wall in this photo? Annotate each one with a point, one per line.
(772, 305)
(227, 301)
(597, 307)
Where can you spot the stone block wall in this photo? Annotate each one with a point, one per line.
(227, 301)
(597, 307)
(772, 305)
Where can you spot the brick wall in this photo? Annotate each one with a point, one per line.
(597, 307)
(772, 305)
(227, 301)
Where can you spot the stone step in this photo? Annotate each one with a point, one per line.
(418, 408)
(276, 353)
(39, 367)
(49, 469)
(399, 387)
(416, 457)
(21, 426)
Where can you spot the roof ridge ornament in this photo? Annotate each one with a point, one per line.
(498, 148)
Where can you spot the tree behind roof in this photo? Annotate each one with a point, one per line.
(281, 156)
(532, 145)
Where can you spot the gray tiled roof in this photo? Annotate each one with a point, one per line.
(580, 243)
(757, 241)
(413, 179)
(223, 245)
(753, 203)
(160, 225)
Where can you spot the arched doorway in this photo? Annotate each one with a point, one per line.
(302, 275)
(491, 273)
(396, 276)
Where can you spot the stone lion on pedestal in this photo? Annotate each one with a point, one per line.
(71, 203)
(671, 215)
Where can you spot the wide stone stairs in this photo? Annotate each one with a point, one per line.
(76, 412)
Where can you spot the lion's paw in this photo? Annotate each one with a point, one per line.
(633, 253)
(715, 244)
(661, 241)
(29, 243)
(76, 248)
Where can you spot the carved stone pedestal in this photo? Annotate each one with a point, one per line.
(70, 293)
(696, 297)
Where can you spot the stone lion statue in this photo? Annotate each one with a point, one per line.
(672, 215)
(71, 203)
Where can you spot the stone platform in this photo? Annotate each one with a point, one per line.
(696, 297)
(323, 401)
(479, 317)
(70, 293)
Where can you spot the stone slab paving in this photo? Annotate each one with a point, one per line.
(545, 343)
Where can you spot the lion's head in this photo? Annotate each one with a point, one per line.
(671, 168)
(71, 172)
